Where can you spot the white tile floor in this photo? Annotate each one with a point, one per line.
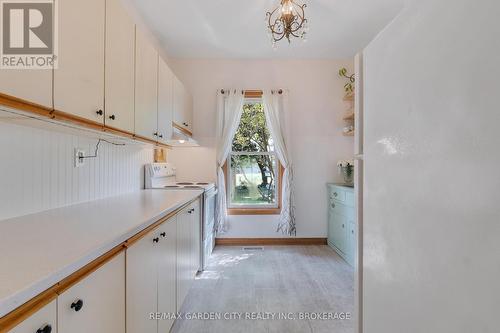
(284, 280)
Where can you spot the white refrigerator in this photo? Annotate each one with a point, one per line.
(430, 161)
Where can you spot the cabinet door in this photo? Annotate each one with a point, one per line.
(338, 232)
(146, 88)
(79, 80)
(195, 238)
(352, 240)
(183, 255)
(97, 303)
(179, 103)
(119, 69)
(44, 317)
(167, 272)
(142, 292)
(32, 85)
(188, 110)
(165, 101)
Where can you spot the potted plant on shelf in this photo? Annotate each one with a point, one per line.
(349, 86)
(346, 168)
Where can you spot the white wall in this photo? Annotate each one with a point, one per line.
(37, 173)
(432, 182)
(314, 118)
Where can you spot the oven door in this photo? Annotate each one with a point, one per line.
(208, 225)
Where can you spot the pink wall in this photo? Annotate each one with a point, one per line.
(314, 121)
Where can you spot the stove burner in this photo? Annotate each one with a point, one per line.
(185, 183)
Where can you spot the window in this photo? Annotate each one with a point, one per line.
(253, 169)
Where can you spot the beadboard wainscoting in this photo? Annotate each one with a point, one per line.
(37, 170)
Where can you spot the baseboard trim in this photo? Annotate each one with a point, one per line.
(270, 241)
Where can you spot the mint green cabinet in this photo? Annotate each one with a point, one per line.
(341, 221)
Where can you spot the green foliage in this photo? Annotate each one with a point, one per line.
(253, 136)
(349, 86)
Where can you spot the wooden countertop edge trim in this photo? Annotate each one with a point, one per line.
(24, 311)
(50, 113)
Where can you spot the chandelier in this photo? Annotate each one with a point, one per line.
(287, 20)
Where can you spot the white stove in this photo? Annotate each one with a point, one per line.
(163, 176)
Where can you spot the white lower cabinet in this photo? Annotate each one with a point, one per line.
(43, 321)
(151, 279)
(188, 249)
(97, 303)
(154, 276)
(167, 274)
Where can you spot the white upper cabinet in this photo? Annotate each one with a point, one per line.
(165, 101)
(183, 106)
(146, 88)
(119, 69)
(97, 303)
(32, 85)
(79, 80)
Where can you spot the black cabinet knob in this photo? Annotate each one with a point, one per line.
(77, 305)
(99, 112)
(45, 329)
(155, 133)
(156, 240)
(163, 234)
(112, 117)
(161, 135)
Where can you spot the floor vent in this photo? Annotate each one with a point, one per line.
(253, 248)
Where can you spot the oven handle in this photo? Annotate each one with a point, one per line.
(212, 193)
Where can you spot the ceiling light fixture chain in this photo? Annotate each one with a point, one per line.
(286, 21)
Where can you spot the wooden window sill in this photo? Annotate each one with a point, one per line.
(253, 211)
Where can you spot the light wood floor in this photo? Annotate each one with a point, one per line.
(279, 279)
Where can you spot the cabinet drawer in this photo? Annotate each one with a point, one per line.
(341, 194)
(341, 209)
(337, 194)
(97, 303)
(43, 318)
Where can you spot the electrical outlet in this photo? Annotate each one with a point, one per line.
(79, 160)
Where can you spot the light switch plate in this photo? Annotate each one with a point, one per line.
(79, 160)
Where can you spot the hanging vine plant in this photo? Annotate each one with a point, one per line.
(349, 86)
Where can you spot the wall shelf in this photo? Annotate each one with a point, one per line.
(349, 97)
(348, 116)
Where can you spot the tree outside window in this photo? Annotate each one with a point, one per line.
(254, 167)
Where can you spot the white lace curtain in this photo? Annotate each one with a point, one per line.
(274, 103)
(229, 110)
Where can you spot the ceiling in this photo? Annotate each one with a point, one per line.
(237, 28)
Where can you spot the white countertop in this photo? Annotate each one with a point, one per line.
(39, 250)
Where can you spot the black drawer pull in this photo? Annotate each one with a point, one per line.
(156, 240)
(112, 117)
(163, 234)
(45, 329)
(77, 306)
(99, 112)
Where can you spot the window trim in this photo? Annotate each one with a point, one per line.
(253, 96)
(255, 210)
